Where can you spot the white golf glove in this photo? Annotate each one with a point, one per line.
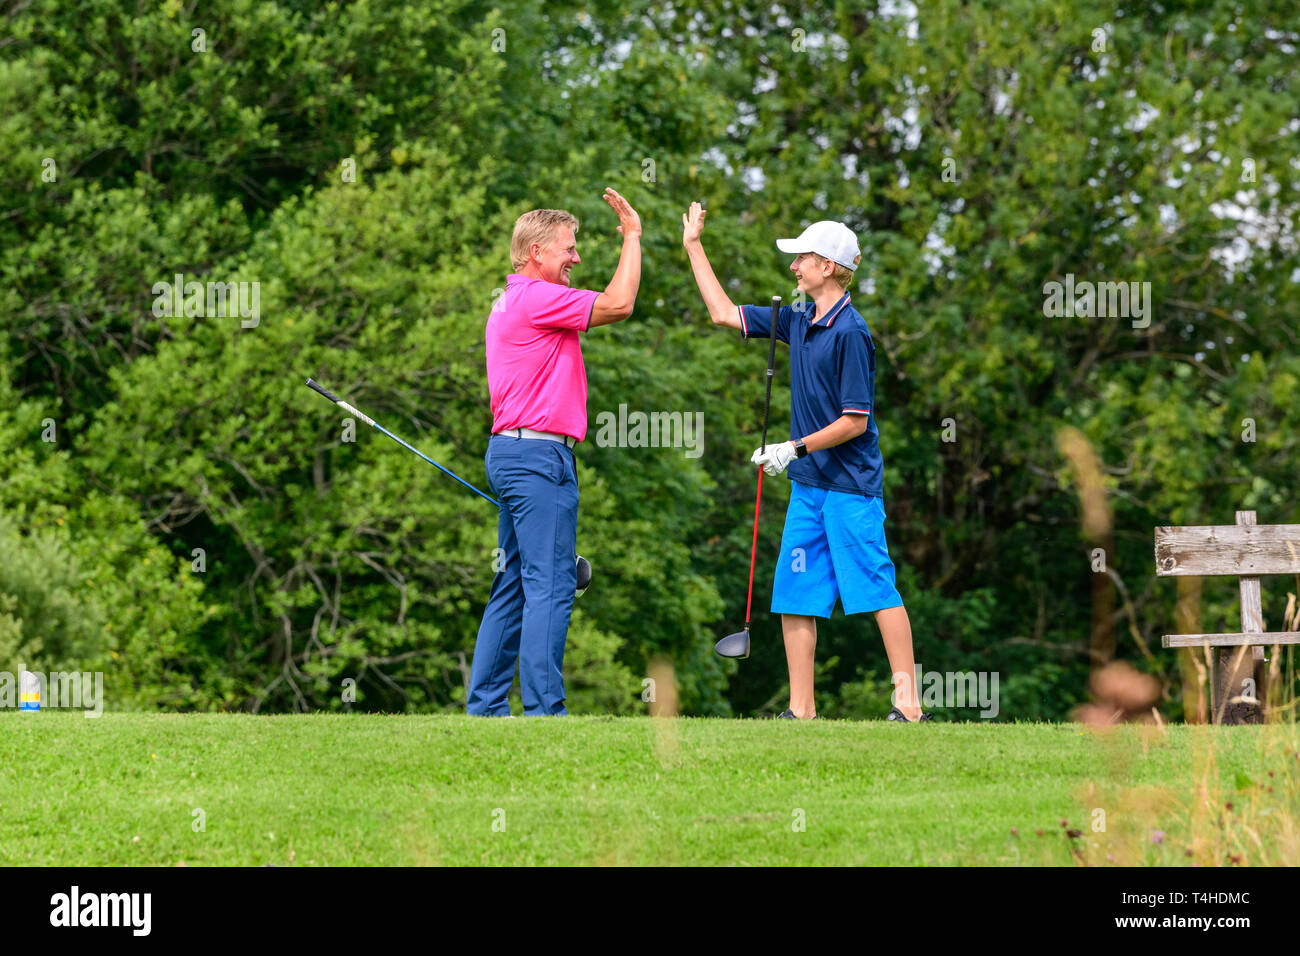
(775, 458)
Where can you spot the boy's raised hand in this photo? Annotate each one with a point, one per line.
(693, 223)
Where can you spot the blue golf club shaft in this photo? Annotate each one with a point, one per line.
(435, 464)
(378, 427)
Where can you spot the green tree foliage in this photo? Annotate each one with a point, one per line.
(85, 584)
(1112, 143)
(978, 151)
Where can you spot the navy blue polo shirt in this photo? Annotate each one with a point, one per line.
(832, 373)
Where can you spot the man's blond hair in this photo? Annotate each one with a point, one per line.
(538, 226)
(842, 275)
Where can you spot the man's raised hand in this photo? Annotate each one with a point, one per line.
(629, 223)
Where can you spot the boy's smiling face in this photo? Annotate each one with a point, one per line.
(811, 271)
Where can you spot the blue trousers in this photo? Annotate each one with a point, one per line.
(527, 614)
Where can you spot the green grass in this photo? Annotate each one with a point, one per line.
(391, 790)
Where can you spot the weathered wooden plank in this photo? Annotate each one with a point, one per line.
(1228, 549)
(1231, 640)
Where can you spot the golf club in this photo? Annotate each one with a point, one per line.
(584, 566)
(737, 645)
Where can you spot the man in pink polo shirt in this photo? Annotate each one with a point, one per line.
(538, 387)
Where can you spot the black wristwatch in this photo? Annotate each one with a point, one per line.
(799, 448)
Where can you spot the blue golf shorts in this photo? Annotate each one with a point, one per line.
(833, 547)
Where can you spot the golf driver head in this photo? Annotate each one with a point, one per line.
(734, 645)
(584, 576)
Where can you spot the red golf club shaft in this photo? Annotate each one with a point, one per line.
(753, 550)
(767, 407)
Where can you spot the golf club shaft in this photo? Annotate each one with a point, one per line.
(436, 465)
(375, 425)
(758, 498)
(753, 549)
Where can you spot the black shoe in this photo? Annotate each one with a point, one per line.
(789, 715)
(897, 714)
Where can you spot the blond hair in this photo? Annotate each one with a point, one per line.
(841, 275)
(538, 226)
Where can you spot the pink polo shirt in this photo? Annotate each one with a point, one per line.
(534, 362)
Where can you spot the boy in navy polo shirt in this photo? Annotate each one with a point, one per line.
(834, 540)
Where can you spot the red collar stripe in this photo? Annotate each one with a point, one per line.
(835, 310)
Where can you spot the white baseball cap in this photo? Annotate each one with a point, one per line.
(830, 240)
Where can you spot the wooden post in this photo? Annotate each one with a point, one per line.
(1235, 670)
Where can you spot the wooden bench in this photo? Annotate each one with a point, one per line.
(1249, 551)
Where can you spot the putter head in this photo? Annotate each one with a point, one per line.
(584, 576)
(734, 645)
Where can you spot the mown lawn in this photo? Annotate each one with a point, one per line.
(400, 790)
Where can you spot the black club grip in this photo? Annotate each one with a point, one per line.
(771, 345)
(324, 391)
